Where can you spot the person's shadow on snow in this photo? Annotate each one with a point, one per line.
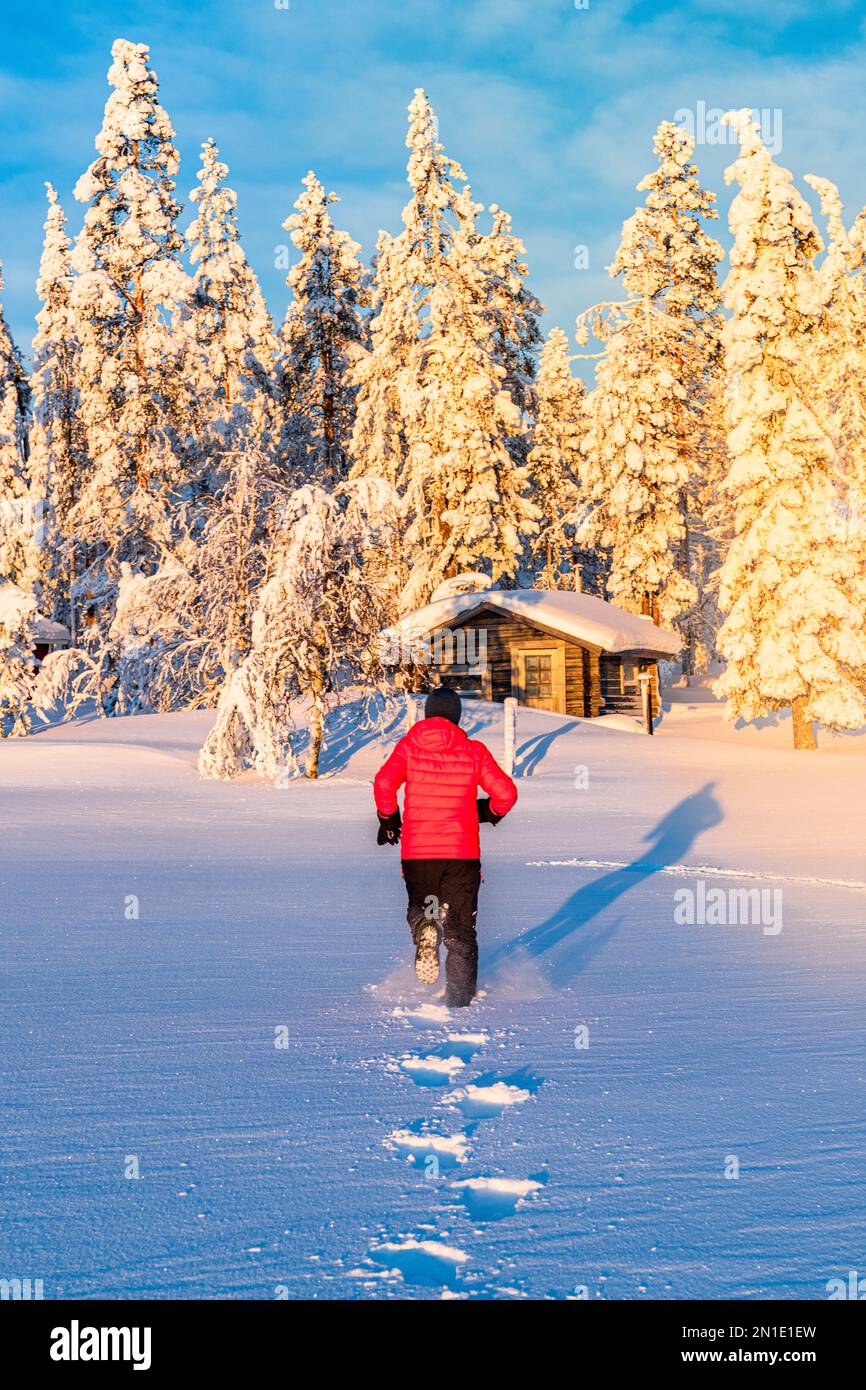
(570, 926)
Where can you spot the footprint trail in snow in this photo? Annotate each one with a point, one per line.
(428, 1257)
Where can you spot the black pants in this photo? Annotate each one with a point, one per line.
(446, 891)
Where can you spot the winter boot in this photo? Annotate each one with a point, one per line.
(427, 952)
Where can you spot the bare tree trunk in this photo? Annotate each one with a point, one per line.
(804, 728)
(317, 729)
(684, 565)
(69, 585)
(142, 477)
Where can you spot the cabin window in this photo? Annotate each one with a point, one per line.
(469, 681)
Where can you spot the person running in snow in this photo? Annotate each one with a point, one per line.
(442, 770)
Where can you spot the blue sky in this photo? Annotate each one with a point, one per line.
(550, 108)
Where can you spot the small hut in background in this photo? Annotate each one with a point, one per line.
(50, 637)
(20, 621)
(572, 653)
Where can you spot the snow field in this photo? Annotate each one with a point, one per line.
(266, 1166)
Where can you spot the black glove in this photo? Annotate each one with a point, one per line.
(389, 828)
(486, 812)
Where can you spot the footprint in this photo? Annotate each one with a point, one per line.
(433, 1070)
(449, 1150)
(425, 1016)
(466, 1045)
(489, 1199)
(483, 1102)
(488, 1095)
(420, 1261)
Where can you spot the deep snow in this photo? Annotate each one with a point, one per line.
(311, 1169)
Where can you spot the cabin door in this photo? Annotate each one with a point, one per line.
(538, 675)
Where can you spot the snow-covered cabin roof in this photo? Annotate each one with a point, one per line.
(582, 617)
(18, 607)
(48, 631)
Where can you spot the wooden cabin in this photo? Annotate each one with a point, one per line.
(19, 617)
(568, 652)
(49, 637)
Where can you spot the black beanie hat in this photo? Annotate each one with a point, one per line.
(443, 703)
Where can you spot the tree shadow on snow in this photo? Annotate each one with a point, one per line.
(478, 715)
(569, 939)
(354, 725)
(350, 727)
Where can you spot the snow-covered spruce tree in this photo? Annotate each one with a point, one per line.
(183, 625)
(554, 459)
(393, 389)
(838, 362)
(315, 629)
(465, 495)
(444, 391)
(323, 336)
(514, 312)
(384, 378)
(134, 396)
(792, 585)
(58, 454)
(233, 364)
(385, 374)
(19, 519)
(837, 366)
(432, 213)
(672, 258)
(633, 477)
(18, 613)
(646, 446)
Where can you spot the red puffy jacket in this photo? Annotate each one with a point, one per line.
(442, 770)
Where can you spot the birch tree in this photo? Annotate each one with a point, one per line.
(315, 630)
